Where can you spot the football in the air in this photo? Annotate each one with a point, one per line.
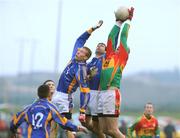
(122, 13)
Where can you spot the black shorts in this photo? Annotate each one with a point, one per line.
(95, 118)
(107, 115)
(67, 115)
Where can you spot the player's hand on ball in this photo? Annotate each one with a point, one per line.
(131, 12)
(82, 129)
(82, 117)
(98, 25)
(124, 13)
(121, 14)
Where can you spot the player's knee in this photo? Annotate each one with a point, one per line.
(96, 131)
(100, 134)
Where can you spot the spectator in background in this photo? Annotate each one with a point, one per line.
(170, 130)
(145, 126)
(3, 128)
(123, 127)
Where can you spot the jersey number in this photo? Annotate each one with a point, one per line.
(106, 63)
(36, 120)
(67, 71)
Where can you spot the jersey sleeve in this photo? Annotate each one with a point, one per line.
(157, 130)
(80, 42)
(123, 50)
(132, 128)
(89, 65)
(18, 119)
(62, 121)
(112, 40)
(81, 77)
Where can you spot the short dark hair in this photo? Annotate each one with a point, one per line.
(148, 103)
(89, 52)
(43, 91)
(102, 44)
(48, 81)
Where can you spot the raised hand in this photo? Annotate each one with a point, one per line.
(131, 12)
(98, 25)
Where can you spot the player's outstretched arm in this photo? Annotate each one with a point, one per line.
(99, 24)
(132, 128)
(130, 132)
(123, 49)
(113, 39)
(17, 120)
(157, 130)
(81, 77)
(125, 29)
(64, 122)
(81, 40)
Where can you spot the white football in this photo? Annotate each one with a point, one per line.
(122, 13)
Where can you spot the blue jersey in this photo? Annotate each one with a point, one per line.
(75, 74)
(38, 117)
(95, 63)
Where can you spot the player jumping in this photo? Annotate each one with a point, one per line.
(74, 76)
(111, 74)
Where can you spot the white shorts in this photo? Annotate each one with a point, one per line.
(93, 103)
(63, 101)
(109, 102)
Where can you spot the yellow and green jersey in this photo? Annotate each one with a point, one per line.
(115, 59)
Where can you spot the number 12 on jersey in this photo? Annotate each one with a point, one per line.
(37, 120)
